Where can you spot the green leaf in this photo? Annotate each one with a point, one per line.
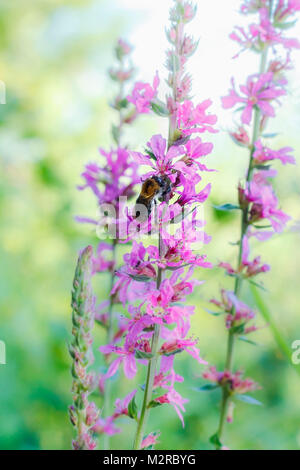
(287, 25)
(115, 133)
(151, 154)
(160, 109)
(206, 388)
(248, 399)
(215, 314)
(132, 409)
(260, 227)
(227, 207)
(177, 351)
(246, 340)
(262, 167)
(214, 439)
(154, 404)
(143, 355)
(237, 329)
(122, 104)
(270, 135)
(256, 284)
(141, 278)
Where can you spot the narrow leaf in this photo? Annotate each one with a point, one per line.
(246, 340)
(154, 404)
(160, 109)
(226, 207)
(132, 409)
(248, 399)
(206, 388)
(142, 354)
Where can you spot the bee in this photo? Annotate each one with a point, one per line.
(153, 189)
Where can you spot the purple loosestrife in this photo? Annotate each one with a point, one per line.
(158, 322)
(109, 182)
(83, 414)
(261, 215)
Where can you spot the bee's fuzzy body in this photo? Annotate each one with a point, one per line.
(154, 188)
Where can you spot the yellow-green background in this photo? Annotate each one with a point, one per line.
(54, 57)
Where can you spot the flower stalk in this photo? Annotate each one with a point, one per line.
(83, 414)
(257, 200)
(151, 371)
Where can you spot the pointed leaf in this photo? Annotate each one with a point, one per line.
(142, 354)
(248, 399)
(226, 207)
(246, 340)
(214, 439)
(206, 388)
(132, 409)
(160, 109)
(154, 404)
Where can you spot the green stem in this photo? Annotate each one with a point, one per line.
(109, 337)
(154, 347)
(148, 390)
(238, 280)
(150, 373)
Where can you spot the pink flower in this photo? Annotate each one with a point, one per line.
(264, 154)
(189, 11)
(124, 47)
(262, 34)
(195, 119)
(126, 357)
(252, 267)
(177, 342)
(252, 6)
(143, 94)
(196, 149)
(241, 137)
(150, 440)
(162, 164)
(264, 204)
(179, 248)
(190, 195)
(100, 264)
(239, 314)
(233, 380)
(259, 91)
(121, 406)
(247, 268)
(176, 400)
(286, 8)
(106, 426)
(110, 181)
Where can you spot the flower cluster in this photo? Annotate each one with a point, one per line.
(157, 326)
(268, 31)
(234, 382)
(261, 213)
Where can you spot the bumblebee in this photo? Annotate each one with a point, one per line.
(154, 188)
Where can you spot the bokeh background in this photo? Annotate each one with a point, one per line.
(54, 58)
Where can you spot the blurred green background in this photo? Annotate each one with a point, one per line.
(54, 60)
